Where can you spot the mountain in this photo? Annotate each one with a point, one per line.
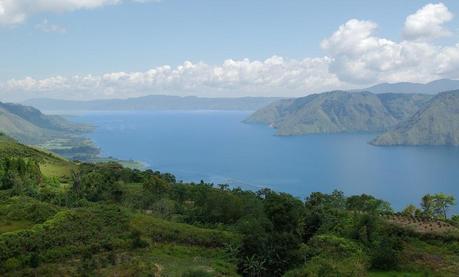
(154, 102)
(338, 111)
(435, 124)
(30, 126)
(40, 120)
(433, 87)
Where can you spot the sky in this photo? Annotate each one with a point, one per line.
(94, 49)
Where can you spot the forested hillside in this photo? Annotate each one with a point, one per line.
(59, 218)
(339, 111)
(436, 124)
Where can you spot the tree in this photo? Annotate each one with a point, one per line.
(156, 186)
(284, 211)
(271, 241)
(427, 205)
(335, 200)
(410, 210)
(437, 205)
(367, 203)
(455, 219)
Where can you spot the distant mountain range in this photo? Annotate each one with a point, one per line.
(154, 102)
(339, 111)
(433, 87)
(404, 119)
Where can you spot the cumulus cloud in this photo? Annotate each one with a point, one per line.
(355, 56)
(359, 56)
(427, 23)
(273, 76)
(17, 11)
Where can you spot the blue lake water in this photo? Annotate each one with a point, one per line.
(216, 147)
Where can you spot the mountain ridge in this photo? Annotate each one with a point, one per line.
(153, 102)
(435, 124)
(338, 111)
(432, 87)
(30, 126)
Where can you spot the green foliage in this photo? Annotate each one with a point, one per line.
(323, 266)
(20, 175)
(335, 246)
(105, 219)
(283, 210)
(271, 244)
(437, 205)
(26, 208)
(197, 273)
(367, 203)
(159, 230)
(67, 233)
(410, 210)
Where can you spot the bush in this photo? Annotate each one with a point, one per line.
(324, 266)
(26, 208)
(160, 230)
(66, 234)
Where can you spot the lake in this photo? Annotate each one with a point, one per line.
(215, 146)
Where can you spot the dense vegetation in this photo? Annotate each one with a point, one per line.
(102, 219)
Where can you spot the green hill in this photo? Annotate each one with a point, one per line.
(50, 164)
(436, 124)
(338, 111)
(107, 220)
(30, 126)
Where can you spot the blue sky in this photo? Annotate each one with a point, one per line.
(129, 37)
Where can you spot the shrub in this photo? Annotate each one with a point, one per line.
(324, 266)
(66, 234)
(160, 230)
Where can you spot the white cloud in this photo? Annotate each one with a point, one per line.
(355, 56)
(361, 57)
(47, 27)
(17, 11)
(427, 23)
(273, 76)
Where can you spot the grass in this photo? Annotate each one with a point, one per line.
(62, 171)
(159, 230)
(422, 226)
(19, 213)
(395, 274)
(14, 225)
(125, 163)
(50, 164)
(174, 260)
(157, 260)
(438, 258)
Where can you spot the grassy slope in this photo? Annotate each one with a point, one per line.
(50, 164)
(173, 248)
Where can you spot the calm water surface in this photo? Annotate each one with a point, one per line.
(217, 147)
